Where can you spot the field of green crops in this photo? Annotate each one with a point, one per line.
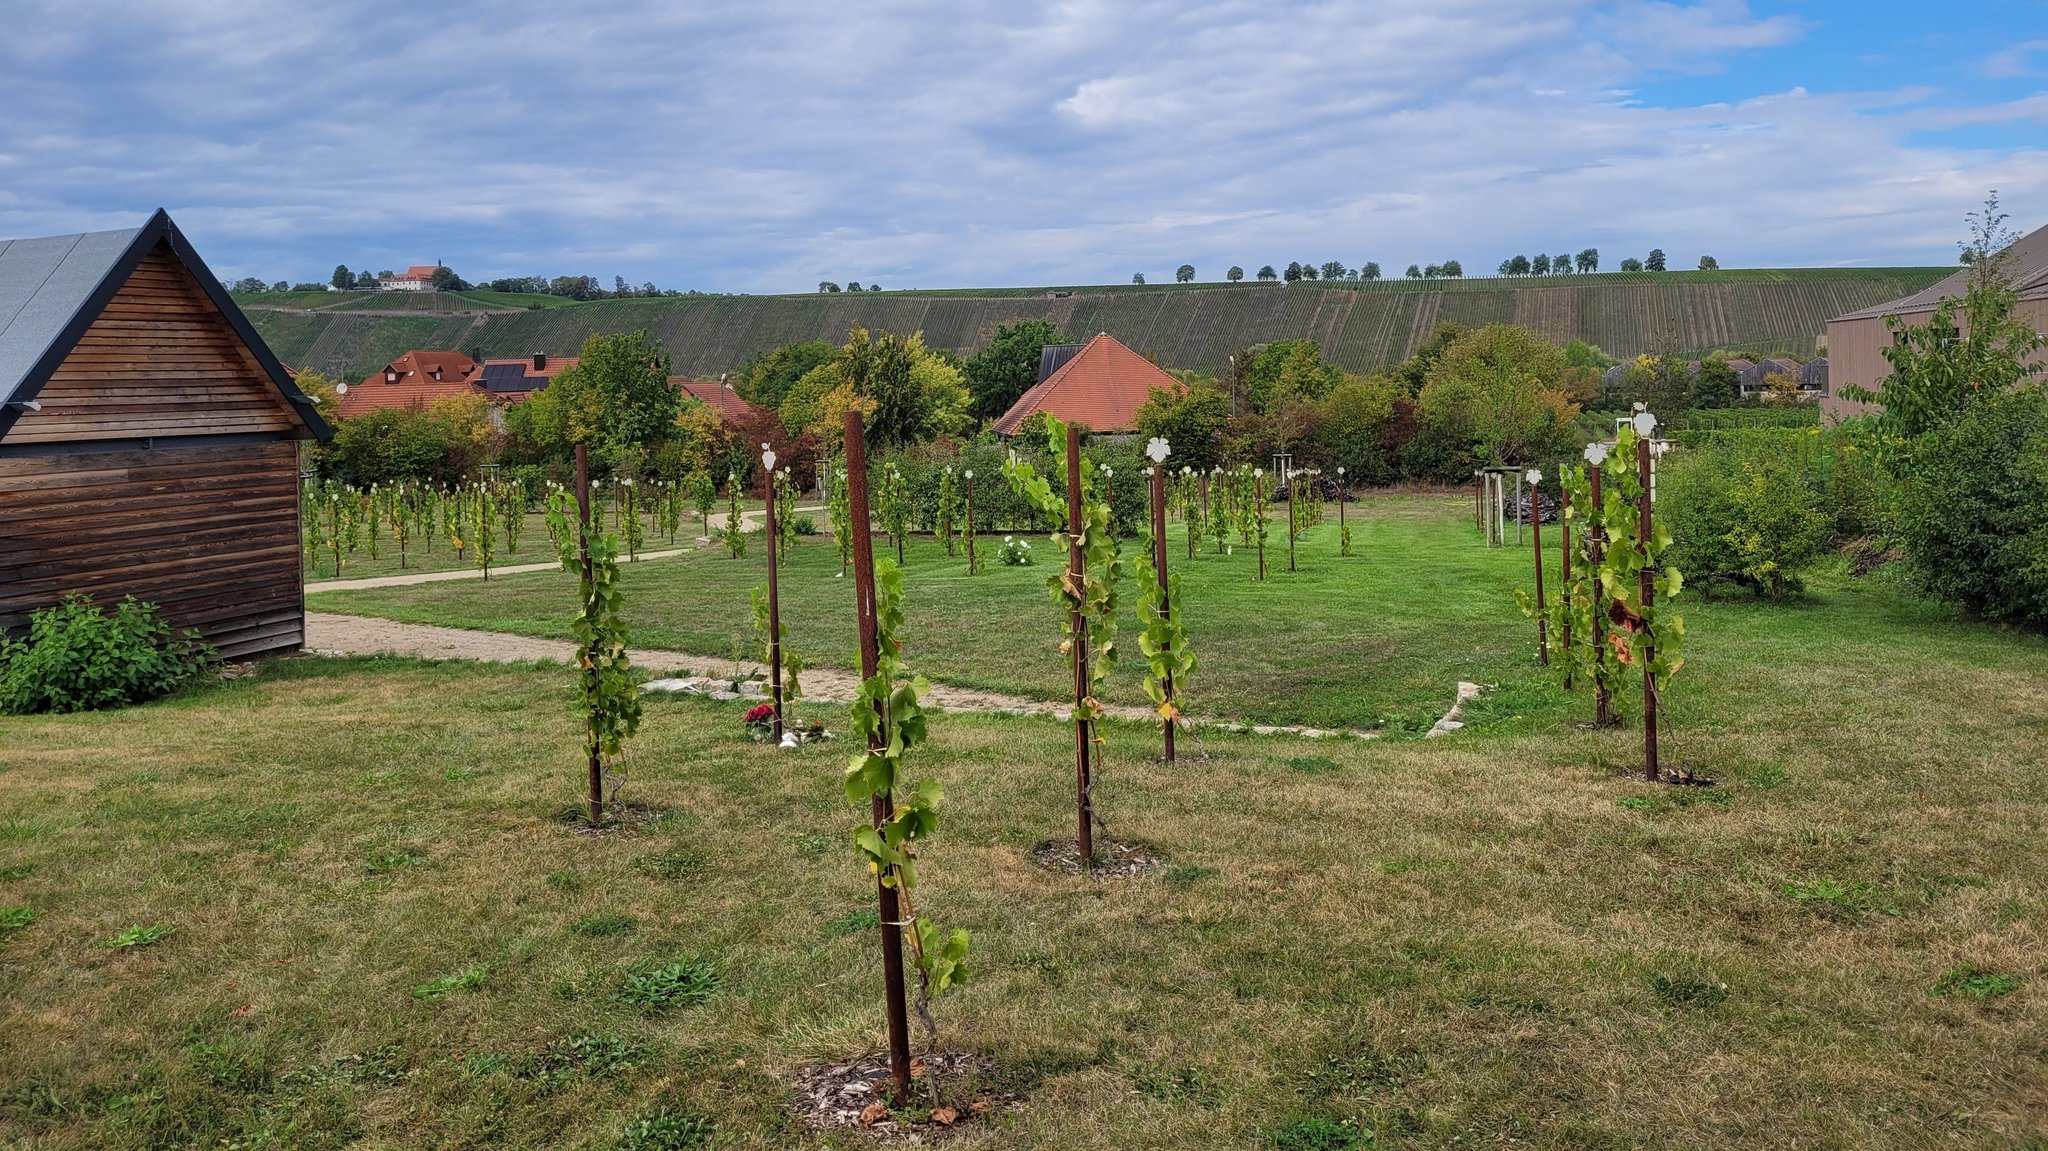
(1360, 326)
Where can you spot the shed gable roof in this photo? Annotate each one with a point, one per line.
(52, 288)
(1100, 388)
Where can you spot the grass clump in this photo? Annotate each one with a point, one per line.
(670, 865)
(141, 936)
(679, 983)
(1316, 1133)
(1844, 902)
(468, 979)
(1972, 982)
(13, 919)
(665, 1131)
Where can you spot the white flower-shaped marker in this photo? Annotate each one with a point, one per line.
(1157, 449)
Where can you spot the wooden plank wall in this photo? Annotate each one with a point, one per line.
(161, 360)
(210, 534)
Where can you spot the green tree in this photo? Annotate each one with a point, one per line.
(1498, 388)
(1291, 368)
(915, 394)
(1003, 371)
(1560, 264)
(445, 280)
(1631, 264)
(1413, 372)
(1234, 274)
(1185, 274)
(1334, 270)
(1718, 386)
(1414, 272)
(1709, 264)
(342, 279)
(1137, 277)
(1350, 428)
(1267, 273)
(766, 379)
(1655, 261)
(1742, 517)
(1293, 271)
(1370, 271)
(1452, 269)
(616, 398)
(1518, 266)
(1664, 384)
(1588, 259)
(1190, 419)
(1539, 265)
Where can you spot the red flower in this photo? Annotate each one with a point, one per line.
(761, 713)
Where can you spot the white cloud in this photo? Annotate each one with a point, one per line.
(2016, 60)
(766, 145)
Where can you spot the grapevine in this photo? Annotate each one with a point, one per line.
(735, 524)
(606, 695)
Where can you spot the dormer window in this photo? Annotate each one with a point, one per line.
(390, 377)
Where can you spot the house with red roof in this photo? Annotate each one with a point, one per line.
(1099, 386)
(417, 278)
(731, 409)
(508, 381)
(417, 378)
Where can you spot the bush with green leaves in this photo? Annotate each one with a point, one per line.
(80, 657)
(1973, 509)
(1742, 518)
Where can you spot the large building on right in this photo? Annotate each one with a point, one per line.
(1856, 342)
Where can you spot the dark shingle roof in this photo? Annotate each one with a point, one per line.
(43, 284)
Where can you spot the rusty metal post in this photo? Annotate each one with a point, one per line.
(590, 740)
(883, 808)
(774, 617)
(1077, 575)
(1159, 568)
(1603, 706)
(1536, 535)
(1646, 590)
(1564, 555)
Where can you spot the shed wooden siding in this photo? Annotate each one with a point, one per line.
(161, 360)
(209, 533)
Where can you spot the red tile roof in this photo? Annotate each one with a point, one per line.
(1100, 389)
(417, 377)
(720, 398)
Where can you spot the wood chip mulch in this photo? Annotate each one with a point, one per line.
(855, 1095)
(1113, 860)
(1680, 776)
(622, 820)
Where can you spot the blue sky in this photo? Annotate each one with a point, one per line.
(766, 145)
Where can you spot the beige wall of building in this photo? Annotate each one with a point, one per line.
(1856, 355)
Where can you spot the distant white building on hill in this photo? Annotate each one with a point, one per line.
(417, 278)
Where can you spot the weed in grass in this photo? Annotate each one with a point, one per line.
(1316, 1133)
(1187, 874)
(1314, 764)
(224, 1067)
(1637, 802)
(1840, 901)
(665, 1131)
(484, 1063)
(13, 919)
(460, 774)
(141, 936)
(1176, 1085)
(593, 1056)
(856, 921)
(383, 1066)
(16, 871)
(1688, 990)
(681, 983)
(811, 843)
(563, 879)
(1399, 866)
(1764, 777)
(1357, 1073)
(386, 862)
(602, 926)
(468, 979)
(1972, 982)
(669, 864)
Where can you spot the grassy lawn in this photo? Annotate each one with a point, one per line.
(381, 934)
(1378, 639)
(435, 555)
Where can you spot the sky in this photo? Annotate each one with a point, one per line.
(766, 145)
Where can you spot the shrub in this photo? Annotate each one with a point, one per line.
(1741, 518)
(79, 658)
(1015, 552)
(1973, 509)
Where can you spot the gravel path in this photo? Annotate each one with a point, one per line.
(328, 634)
(748, 522)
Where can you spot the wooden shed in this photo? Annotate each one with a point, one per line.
(148, 440)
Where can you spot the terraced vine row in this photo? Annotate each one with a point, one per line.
(1361, 327)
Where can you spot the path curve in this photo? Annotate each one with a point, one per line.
(330, 634)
